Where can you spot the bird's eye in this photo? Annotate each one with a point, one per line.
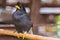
(17, 7)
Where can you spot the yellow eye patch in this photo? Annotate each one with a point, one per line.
(17, 7)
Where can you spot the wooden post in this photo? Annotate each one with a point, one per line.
(35, 15)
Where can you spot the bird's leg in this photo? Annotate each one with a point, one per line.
(24, 34)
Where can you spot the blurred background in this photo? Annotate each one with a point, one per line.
(45, 15)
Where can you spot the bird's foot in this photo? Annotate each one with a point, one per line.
(17, 35)
(24, 34)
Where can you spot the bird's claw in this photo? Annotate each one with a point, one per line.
(24, 34)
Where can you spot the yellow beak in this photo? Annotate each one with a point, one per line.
(17, 7)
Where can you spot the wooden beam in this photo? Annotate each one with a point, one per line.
(7, 25)
(13, 5)
(50, 5)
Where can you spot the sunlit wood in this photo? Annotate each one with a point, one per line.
(29, 36)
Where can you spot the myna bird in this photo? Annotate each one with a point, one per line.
(21, 20)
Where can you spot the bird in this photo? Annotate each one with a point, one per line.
(21, 19)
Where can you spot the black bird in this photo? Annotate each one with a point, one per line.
(21, 20)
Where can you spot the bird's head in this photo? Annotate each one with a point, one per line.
(19, 6)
